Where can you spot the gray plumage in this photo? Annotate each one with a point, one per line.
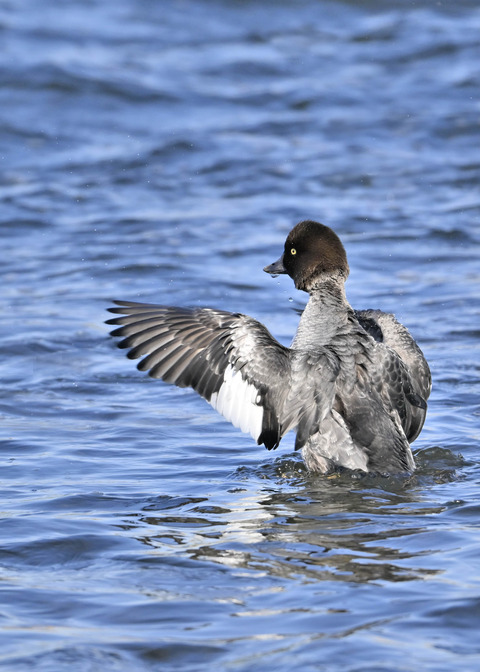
(353, 384)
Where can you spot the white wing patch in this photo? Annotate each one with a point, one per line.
(237, 400)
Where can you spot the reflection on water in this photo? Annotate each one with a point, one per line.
(336, 528)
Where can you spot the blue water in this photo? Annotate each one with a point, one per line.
(160, 151)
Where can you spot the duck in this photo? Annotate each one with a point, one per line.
(353, 384)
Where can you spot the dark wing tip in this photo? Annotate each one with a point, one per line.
(120, 306)
(115, 332)
(133, 307)
(127, 304)
(270, 438)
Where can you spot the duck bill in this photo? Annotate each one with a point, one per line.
(276, 268)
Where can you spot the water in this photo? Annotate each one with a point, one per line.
(160, 152)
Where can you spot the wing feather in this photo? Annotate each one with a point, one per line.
(408, 379)
(230, 359)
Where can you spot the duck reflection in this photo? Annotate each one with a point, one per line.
(279, 521)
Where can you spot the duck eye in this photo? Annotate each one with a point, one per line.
(293, 251)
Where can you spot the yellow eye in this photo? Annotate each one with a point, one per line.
(293, 251)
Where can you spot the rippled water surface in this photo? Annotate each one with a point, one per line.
(160, 151)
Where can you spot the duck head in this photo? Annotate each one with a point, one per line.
(313, 255)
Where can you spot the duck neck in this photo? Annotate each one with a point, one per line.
(325, 314)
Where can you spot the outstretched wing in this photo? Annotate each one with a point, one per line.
(230, 359)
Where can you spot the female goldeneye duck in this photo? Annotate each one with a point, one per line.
(353, 384)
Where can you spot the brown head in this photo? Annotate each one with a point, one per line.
(313, 255)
